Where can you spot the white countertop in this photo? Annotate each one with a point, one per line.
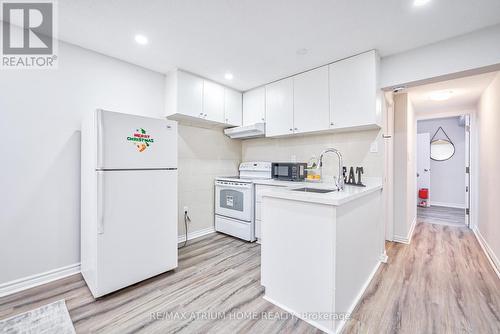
(284, 190)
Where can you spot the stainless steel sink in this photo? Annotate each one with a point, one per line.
(315, 190)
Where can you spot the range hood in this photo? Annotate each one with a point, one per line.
(247, 131)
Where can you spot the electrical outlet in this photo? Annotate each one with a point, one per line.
(186, 209)
(374, 147)
(293, 158)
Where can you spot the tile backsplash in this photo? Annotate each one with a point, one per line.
(203, 155)
(355, 147)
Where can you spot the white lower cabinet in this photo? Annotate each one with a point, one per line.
(259, 189)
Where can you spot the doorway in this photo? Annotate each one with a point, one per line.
(442, 170)
(405, 107)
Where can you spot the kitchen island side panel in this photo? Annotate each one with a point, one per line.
(358, 248)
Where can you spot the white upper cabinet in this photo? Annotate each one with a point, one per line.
(213, 101)
(353, 91)
(310, 101)
(200, 102)
(279, 108)
(254, 106)
(186, 94)
(339, 96)
(233, 104)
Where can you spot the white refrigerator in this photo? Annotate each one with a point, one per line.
(128, 199)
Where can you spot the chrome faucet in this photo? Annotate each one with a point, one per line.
(339, 181)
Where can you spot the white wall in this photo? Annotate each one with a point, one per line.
(447, 177)
(354, 146)
(463, 53)
(203, 155)
(488, 125)
(40, 116)
(405, 184)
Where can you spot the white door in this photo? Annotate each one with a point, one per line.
(353, 91)
(137, 226)
(254, 106)
(279, 108)
(233, 105)
(134, 142)
(311, 101)
(189, 94)
(213, 101)
(424, 162)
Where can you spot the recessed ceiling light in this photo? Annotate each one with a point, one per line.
(141, 39)
(228, 76)
(302, 51)
(419, 3)
(440, 95)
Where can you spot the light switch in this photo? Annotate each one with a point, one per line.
(374, 147)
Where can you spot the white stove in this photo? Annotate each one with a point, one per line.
(235, 200)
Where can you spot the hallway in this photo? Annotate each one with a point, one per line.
(441, 283)
(442, 215)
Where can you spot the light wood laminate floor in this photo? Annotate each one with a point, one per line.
(216, 273)
(441, 283)
(442, 215)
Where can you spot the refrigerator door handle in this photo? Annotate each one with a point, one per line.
(100, 203)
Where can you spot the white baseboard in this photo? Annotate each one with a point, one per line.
(38, 279)
(298, 315)
(195, 234)
(383, 257)
(488, 251)
(406, 239)
(55, 274)
(448, 205)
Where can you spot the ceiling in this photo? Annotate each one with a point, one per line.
(257, 40)
(465, 94)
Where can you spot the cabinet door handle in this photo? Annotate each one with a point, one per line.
(291, 129)
(331, 123)
(263, 119)
(296, 129)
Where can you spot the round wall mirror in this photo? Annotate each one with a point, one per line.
(442, 149)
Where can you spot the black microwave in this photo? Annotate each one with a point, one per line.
(289, 171)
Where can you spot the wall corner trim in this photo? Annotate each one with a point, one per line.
(492, 258)
(406, 239)
(32, 281)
